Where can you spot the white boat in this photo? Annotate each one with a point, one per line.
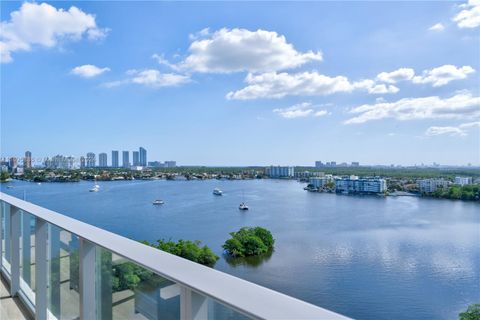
(217, 192)
(9, 187)
(94, 189)
(243, 206)
(158, 202)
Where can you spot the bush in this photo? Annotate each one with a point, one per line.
(191, 250)
(472, 313)
(249, 242)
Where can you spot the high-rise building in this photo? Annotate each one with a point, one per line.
(115, 159)
(91, 160)
(431, 185)
(143, 156)
(82, 162)
(280, 172)
(136, 158)
(102, 160)
(125, 159)
(170, 164)
(27, 161)
(13, 164)
(318, 164)
(355, 164)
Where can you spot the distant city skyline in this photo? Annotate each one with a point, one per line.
(240, 84)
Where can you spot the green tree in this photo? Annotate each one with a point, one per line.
(472, 313)
(249, 242)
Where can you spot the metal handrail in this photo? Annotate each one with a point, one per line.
(246, 297)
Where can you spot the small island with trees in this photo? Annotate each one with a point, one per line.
(249, 241)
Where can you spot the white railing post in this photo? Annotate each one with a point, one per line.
(87, 261)
(15, 231)
(193, 306)
(41, 231)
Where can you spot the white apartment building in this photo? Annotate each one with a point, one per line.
(463, 180)
(280, 172)
(431, 185)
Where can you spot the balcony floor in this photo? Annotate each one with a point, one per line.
(11, 308)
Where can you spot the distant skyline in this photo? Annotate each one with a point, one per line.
(239, 84)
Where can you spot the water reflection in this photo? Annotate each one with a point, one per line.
(254, 261)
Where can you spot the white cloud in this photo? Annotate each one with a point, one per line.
(162, 61)
(401, 74)
(437, 27)
(234, 50)
(321, 113)
(301, 110)
(89, 71)
(374, 88)
(44, 25)
(440, 76)
(460, 106)
(461, 130)
(279, 85)
(469, 17)
(150, 78)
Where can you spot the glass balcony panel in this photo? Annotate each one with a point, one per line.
(27, 256)
(6, 247)
(63, 274)
(128, 291)
(217, 310)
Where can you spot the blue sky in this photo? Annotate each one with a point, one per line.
(223, 83)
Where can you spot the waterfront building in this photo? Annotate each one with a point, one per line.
(320, 182)
(126, 159)
(115, 159)
(170, 164)
(27, 161)
(13, 163)
(307, 174)
(155, 164)
(280, 172)
(91, 160)
(102, 160)
(82, 162)
(136, 158)
(463, 180)
(60, 162)
(142, 156)
(431, 185)
(354, 184)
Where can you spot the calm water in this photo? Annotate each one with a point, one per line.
(365, 257)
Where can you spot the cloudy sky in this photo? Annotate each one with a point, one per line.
(249, 83)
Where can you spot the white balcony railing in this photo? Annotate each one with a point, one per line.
(62, 268)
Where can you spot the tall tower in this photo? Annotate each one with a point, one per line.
(143, 156)
(91, 160)
(102, 160)
(115, 159)
(136, 158)
(27, 161)
(125, 158)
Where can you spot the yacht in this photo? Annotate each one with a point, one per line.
(217, 192)
(158, 202)
(243, 206)
(95, 188)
